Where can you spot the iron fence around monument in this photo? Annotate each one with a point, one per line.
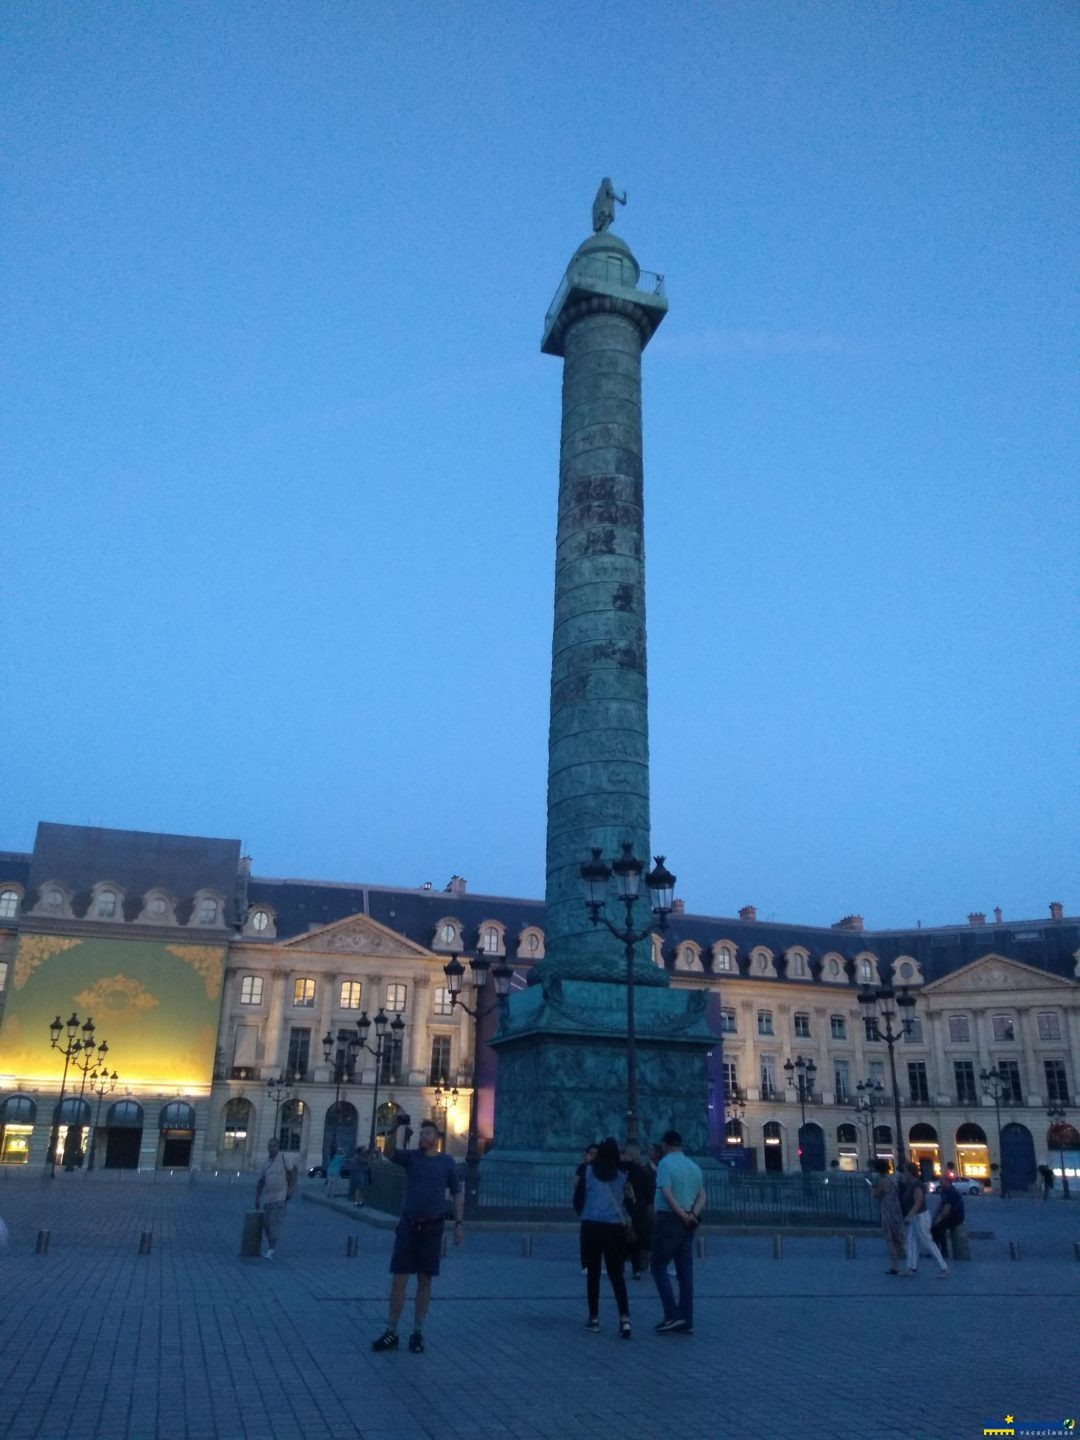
(733, 1199)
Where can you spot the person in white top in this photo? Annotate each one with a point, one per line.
(276, 1183)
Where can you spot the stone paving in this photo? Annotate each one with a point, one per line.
(191, 1342)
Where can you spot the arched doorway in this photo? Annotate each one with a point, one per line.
(124, 1127)
(1063, 1140)
(291, 1125)
(924, 1150)
(339, 1130)
(70, 1118)
(176, 1125)
(847, 1147)
(811, 1148)
(972, 1156)
(17, 1116)
(772, 1136)
(236, 1128)
(1018, 1168)
(883, 1145)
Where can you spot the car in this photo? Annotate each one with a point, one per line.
(318, 1172)
(961, 1183)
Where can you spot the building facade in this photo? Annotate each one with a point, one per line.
(230, 1003)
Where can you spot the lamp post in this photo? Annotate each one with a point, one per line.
(877, 1004)
(627, 870)
(383, 1023)
(995, 1084)
(101, 1084)
(801, 1075)
(87, 1059)
(868, 1093)
(277, 1090)
(734, 1115)
(1057, 1117)
(344, 1069)
(445, 1100)
(73, 1046)
(480, 966)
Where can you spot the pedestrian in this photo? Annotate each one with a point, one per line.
(604, 1222)
(1047, 1176)
(273, 1191)
(917, 1225)
(359, 1175)
(418, 1237)
(950, 1213)
(333, 1172)
(680, 1199)
(887, 1194)
(643, 1183)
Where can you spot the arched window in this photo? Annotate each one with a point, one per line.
(237, 1125)
(733, 1132)
(72, 1111)
(846, 1135)
(125, 1114)
(17, 1115)
(106, 904)
(9, 904)
(723, 959)
(177, 1115)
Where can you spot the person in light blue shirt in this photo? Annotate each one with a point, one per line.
(680, 1199)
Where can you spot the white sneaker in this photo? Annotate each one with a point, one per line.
(268, 1254)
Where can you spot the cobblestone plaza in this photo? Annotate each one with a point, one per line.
(191, 1342)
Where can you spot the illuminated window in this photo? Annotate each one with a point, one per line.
(442, 1004)
(350, 995)
(251, 990)
(303, 991)
(395, 998)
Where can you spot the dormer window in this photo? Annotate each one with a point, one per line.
(54, 898)
(490, 941)
(725, 961)
(866, 972)
(158, 905)
(9, 904)
(106, 904)
(208, 912)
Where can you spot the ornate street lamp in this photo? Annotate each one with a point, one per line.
(995, 1085)
(869, 1093)
(734, 1115)
(801, 1075)
(502, 974)
(445, 1101)
(383, 1025)
(101, 1084)
(277, 1090)
(70, 1050)
(348, 1050)
(1057, 1117)
(877, 1003)
(627, 870)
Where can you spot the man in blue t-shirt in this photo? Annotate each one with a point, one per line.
(680, 1199)
(418, 1238)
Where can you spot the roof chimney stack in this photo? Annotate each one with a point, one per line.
(748, 913)
(997, 914)
(1057, 910)
(849, 922)
(977, 917)
(678, 907)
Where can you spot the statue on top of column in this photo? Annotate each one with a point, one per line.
(603, 207)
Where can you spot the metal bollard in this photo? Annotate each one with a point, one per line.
(699, 1246)
(42, 1246)
(445, 1245)
(526, 1247)
(849, 1247)
(778, 1247)
(1014, 1250)
(352, 1245)
(251, 1234)
(146, 1239)
(1076, 1249)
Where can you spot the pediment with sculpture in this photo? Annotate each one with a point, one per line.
(358, 935)
(992, 974)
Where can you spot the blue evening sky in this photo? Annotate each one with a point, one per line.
(282, 451)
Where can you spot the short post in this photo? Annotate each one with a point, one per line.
(1076, 1249)
(445, 1245)
(1014, 1250)
(778, 1247)
(352, 1246)
(959, 1243)
(251, 1235)
(849, 1247)
(42, 1246)
(146, 1239)
(699, 1246)
(526, 1247)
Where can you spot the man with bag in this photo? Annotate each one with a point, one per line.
(273, 1191)
(419, 1233)
(680, 1199)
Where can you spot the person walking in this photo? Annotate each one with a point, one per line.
(680, 1199)
(578, 1197)
(950, 1213)
(359, 1175)
(273, 1191)
(429, 1175)
(887, 1195)
(917, 1225)
(643, 1183)
(604, 1220)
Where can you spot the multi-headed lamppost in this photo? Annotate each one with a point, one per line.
(995, 1086)
(90, 1058)
(502, 974)
(881, 1004)
(1057, 1117)
(869, 1094)
(73, 1047)
(734, 1115)
(801, 1075)
(383, 1024)
(101, 1084)
(627, 869)
(348, 1050)
(445, 1101)
(277, 1090)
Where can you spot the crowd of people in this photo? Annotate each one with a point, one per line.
(910, 1231)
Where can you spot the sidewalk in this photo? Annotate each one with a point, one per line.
(193, 1343)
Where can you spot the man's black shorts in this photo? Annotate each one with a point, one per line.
(417, 1247)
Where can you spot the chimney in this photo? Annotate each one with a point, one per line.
(678, 907)
(849, 922)
(748, 913)
(1057, 910)
(977, 917)
(426, 885)
(997, 914)
(456, 886)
